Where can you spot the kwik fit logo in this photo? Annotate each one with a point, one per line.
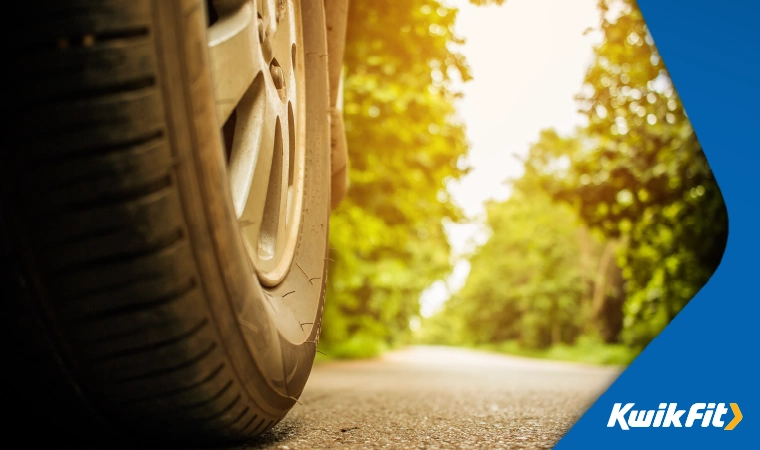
(668, 415)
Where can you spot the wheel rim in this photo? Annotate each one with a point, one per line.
(257, 62)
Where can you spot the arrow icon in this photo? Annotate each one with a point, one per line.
(737, 417)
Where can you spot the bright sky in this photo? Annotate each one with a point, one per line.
(528, 60)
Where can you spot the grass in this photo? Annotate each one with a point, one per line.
(585, 350)
(356, 347)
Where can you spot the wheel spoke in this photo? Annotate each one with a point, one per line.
(268, 10)
(253, 151)
(282, 198)
(283, 40)
(291, 58)
(235, 56)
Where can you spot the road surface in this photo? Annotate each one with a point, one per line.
(438, 397)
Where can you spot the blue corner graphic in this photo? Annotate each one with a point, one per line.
(711, 351)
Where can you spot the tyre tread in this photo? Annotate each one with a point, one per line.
(98, 199)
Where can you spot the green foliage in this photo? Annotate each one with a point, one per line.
(586, 349)
(608, 234)
(386, 238)
(641, 175)
(527, 282)
(637, 176)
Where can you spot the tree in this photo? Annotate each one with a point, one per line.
(655, 225)
(640, 176)
(526, 282)
(386, 239)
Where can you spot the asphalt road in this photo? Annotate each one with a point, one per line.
(438, 397)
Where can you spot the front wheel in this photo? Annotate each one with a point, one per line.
(165, 211)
